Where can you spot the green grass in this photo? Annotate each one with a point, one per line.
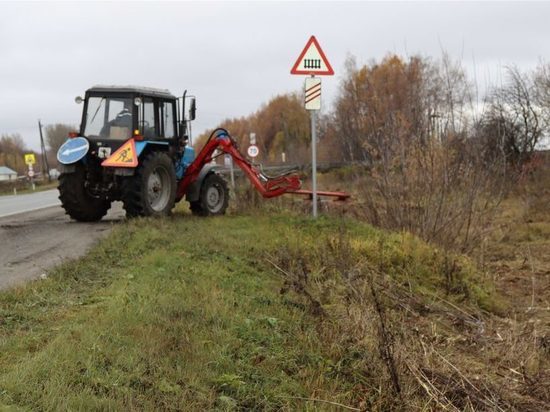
(187, 314)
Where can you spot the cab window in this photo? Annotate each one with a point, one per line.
(146, 124)
(167, 116)
(108, 117)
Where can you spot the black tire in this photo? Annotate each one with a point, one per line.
(75, 199)
(152, 190)
(213, 198)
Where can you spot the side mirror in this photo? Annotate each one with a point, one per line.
(192, 109)
(78, 99)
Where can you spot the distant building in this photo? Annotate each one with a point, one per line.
(7, 174)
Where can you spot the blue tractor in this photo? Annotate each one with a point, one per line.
(132, 146)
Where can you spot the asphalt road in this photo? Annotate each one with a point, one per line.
(35, 235)
(10, 205)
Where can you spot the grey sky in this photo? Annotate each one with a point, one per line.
(236, 56)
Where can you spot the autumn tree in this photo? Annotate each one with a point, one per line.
(410, 121)
(376, 104)
(12, 151)
(281, 125)
(56, 134)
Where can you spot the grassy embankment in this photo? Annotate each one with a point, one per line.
(262, 312)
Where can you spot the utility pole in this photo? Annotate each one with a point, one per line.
(45, 165)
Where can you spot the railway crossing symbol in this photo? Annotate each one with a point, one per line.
(312, 60)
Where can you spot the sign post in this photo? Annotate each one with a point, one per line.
(313, 61)
(314, 161)
(30, 160)
(229, 163)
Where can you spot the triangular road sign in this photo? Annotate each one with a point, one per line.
(125, 156)
(312, 60)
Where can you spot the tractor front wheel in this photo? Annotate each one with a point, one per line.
(152, 190)
(214, 197)
(76, 200)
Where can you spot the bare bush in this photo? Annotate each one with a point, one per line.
(518, 116)
(412, 121)
(542, 86)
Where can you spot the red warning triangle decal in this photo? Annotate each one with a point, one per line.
(125, 156)
(312, 60)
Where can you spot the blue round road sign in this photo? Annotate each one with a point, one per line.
(73, 150)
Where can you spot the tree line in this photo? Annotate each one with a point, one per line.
(13, 148)
(416, 99)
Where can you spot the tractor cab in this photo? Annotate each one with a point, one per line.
(112, 115)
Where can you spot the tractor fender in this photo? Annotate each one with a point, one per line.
(150, 145)
(194, 190)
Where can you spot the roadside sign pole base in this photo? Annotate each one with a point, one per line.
(314, 161)
(232, 177)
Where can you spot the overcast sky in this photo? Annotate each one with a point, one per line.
(236, 56)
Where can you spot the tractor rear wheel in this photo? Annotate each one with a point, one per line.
(152, 190)
(76, 200)
(213, 198)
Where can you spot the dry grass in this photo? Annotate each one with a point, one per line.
(412, 343)
(419, 350)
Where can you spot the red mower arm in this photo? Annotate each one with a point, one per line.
(220, 139)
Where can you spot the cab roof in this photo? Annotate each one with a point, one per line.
(146, 91)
